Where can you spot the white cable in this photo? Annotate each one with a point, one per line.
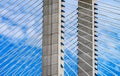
(17, 56)
(108, 70)
(29, 65)
(19, 14)
(85, 39)
(108, 4)
(104, 57)
(84, 26)
(102, 73)
(85, 45)
(107, 10)
(16, 33)
(85, 14)
(78, 48)
(85, 3)
(30, 70)
(85, 8)
(80, 58)
(71, 13)
(21, 23)
(71, 68)
(109, 51)
(33, 60)
(66, 72)
(108, 17)
(109, 66)
(21, 18)
(7, 53)
(77, 65)
(85, 20)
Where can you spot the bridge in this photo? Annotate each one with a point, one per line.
(59, 38)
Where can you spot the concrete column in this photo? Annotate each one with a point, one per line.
(86, 41)
(52, 59)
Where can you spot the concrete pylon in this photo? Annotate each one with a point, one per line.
(53, 54)
(86, 37)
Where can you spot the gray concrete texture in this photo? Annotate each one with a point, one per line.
(85, 37)
(51, 58)
(52, 39)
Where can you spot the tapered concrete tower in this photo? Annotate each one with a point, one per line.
(53, 54)
(86, 37)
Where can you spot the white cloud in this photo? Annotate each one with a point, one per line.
(16, 32)
(32, 27)
(11, 31)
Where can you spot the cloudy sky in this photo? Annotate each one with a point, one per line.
(108, 37)
(71, 38)
(20, 37)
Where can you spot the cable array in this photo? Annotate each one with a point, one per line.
(107, 27)
(21, 37)
(106, 38)
(70, 39)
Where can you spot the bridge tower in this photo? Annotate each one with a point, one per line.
(53, 34)
(53, 54)
(86, 38)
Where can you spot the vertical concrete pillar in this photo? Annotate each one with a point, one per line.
(86, 37)
(52, 59)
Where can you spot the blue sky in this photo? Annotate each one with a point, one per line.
(108, 37)
(20, 38)
(71, 38)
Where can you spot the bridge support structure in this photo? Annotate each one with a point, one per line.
(53, 31)
(86, 38)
